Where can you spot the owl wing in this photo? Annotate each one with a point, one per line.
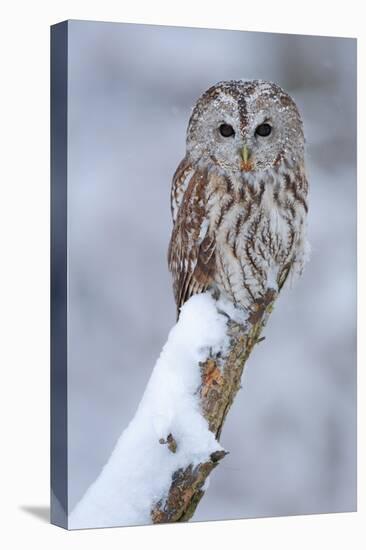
(181, 179)
(191, 254)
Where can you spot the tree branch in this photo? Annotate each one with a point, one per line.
(220, 382)
(158, 469)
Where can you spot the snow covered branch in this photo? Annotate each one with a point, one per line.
(158, 470)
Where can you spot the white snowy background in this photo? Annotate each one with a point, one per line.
(292, 430)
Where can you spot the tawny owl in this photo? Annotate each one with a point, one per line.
(239, 196)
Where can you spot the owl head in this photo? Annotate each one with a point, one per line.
(245, 126)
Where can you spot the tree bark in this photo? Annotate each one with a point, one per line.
(220, 382)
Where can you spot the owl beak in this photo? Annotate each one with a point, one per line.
(246, 164)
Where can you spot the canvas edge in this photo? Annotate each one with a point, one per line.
(58, 313)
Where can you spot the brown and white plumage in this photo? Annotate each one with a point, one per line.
(239, 198)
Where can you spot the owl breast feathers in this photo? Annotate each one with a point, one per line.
(239, 196)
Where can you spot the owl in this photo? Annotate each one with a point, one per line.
(239, 196)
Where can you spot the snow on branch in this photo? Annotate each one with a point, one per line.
(158, 470)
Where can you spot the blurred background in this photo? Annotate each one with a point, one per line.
(291, 432)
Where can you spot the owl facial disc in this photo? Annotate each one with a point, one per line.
(245, 126)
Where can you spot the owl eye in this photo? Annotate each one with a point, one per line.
(263, 130)
(226, 130)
